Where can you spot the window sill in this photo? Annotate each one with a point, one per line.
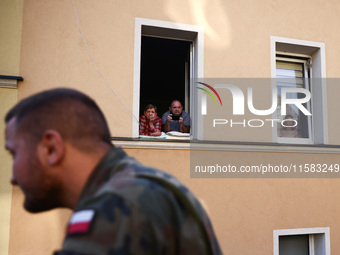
(139, 143)
(172, 144)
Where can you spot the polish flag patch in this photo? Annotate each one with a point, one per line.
(80, 222)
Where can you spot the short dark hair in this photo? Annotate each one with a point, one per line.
(150, 106)
(176, 100)
(73, 114)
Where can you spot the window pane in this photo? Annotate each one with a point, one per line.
(291, 75)
(294, 245)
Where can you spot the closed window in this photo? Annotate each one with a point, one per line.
(293, 72)
(301, 66)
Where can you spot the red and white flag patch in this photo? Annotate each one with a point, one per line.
(80, 222)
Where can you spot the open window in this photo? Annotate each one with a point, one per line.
(168, 57)
(165, 73)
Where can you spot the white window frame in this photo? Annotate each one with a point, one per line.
(175, 31)
(319, 239)
(316, 51)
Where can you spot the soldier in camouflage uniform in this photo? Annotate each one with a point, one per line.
(120, 206)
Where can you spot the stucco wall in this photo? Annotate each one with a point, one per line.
(41, 233)
(236, 44)
(10, 30)
(245, 212)
(8, 98)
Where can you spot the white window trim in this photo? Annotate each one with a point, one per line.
(320, 119)
(303, 231)
(198, 71)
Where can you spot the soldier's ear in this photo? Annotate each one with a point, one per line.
(51, 148)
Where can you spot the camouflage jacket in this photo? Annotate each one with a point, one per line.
(128, 208)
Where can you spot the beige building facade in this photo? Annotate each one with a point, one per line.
(104, 49)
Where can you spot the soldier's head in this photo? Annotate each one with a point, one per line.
(37, 130)
(73, 114)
